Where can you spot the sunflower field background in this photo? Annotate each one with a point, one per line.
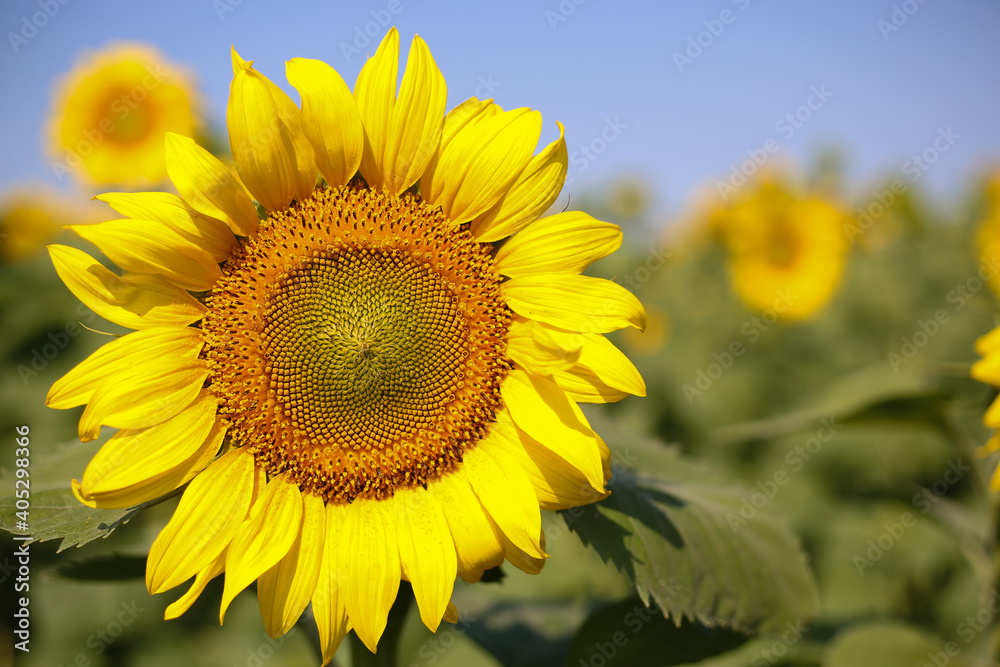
(810, 203)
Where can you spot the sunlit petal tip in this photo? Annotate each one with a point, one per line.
(330, 118)
(238, 63)
(77, 488)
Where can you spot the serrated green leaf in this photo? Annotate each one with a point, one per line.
(628, 633)
(57, 514)
(681, 540)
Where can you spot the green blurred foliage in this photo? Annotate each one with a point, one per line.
(870, 463)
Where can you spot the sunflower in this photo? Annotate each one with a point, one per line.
(786, 251)
(988, 235)
(111, 112)
(362, 380)
(30, 216)
(987, 370)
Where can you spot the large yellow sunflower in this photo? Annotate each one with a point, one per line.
(786, 251)
(369, 379)
(110, 114)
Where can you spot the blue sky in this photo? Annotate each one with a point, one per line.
(678, 92)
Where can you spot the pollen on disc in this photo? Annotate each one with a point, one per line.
(358, 343)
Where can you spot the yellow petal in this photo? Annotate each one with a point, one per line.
(427, 552)
(136, 466)
(183, 603)
(505, 492)
(520, 559)
(988, 343)
(535, 190)
(208, 185)
(134, 300)
(204, 523)
(147, 246)
(531, 346)
(557, 484)
(368, 561)
(451, 614)
(101, 367)
(543, 411)
(143, 396)
(330, 119)
(328, 600)
(477, 540)
(284, 590)
(565, 242)
(578, 303)
(602, 374)
(207, 232)
(375, 96)
(481, 163)
(272, 154)
(414, 129)
(987, 370)
(264, 537)
(466, 114)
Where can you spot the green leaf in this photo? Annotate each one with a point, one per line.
(680, 538)
(628, 633)
(894, 643)
(875, 392)
(57, 514)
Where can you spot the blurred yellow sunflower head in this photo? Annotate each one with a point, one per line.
(29, 218)
(987, 370)
(32, 216)
(988, 234)
(363, 380)
(786, 251)
(110, 114)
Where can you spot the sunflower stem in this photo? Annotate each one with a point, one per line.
(388, 645)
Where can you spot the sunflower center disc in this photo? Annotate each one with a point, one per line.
(357, 342)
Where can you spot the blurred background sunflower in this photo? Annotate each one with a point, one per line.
(110, 112)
